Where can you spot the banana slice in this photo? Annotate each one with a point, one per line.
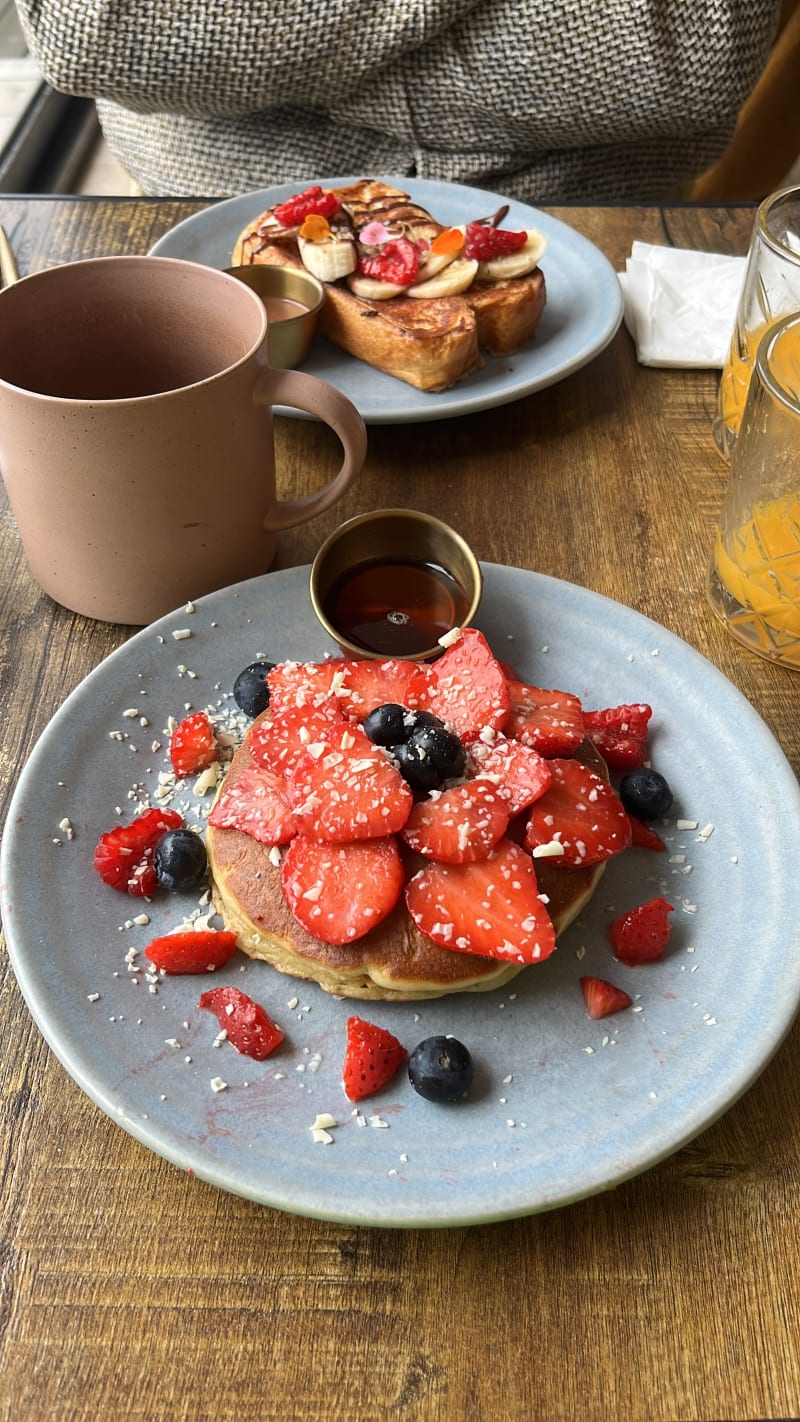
(434, 263)
(330, 259)
(514, 264)
(370, 289)
(455, 278)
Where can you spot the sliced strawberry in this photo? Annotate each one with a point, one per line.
(581, 813)
(466, 687)
(197, 950)
(278, 743)
(642, 934)
(491, 908)
(521, 773)
(484, 241)
(193, 745)
(372, 1057)
(338, 892)
(344, 788)
(248, 1027)
(550, 721)
(602, 998)
(293, 684)
(314, 199)
(255, 803)
(620, 734)
(644, 835)
(123, 856)
(369, 684)
(460, 825)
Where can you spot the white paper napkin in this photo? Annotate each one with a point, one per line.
(680, 306)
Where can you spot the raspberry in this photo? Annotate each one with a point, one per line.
(484, 242)
(396, 261)
(292, 212)
(124, 855)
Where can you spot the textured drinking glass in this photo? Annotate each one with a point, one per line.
(771, 289)
(754, 577)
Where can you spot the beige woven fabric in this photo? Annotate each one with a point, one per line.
(547, 100)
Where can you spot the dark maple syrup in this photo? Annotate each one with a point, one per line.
(397, 607)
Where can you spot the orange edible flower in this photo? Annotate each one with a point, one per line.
(451, 240)
(315, 228)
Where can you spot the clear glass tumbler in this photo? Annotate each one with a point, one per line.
(771, 289)
(754, 576)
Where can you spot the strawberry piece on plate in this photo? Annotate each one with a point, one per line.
(644, 836)
(581, 813)
(304, 683)
(338, 892)
(641, 935)
(255, 803)
(193, 745)
(521, 773)
(466, 687)
(370, 684)
(550, 721)
(491, 908)
(196, 950)
(249, 1028)
(602, 998)
(123, 856)
(459, 825)
(372, 1058)
(620, 734)
(344, 788)
(277, 743)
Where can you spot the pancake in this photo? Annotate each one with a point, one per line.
(394, 961)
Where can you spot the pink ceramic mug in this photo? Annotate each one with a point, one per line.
(136, 439)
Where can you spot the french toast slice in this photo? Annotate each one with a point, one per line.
(429, 342)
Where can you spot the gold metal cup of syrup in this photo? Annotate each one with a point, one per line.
(393, 582)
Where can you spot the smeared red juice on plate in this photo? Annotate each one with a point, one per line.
(393, 606)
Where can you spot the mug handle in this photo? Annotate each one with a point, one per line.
(305, 392)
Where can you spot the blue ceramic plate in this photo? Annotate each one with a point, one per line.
(583, 311)
(561, 1107)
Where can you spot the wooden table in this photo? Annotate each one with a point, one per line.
(128, 1291)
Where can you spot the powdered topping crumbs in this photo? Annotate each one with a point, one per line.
(450, 638)
(552, 850)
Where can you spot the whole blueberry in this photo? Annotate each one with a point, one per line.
(387, 724)
(179, 860)
(645, 794)
(441, 1069)
(417, 769)
(250, 690)
(442, 747)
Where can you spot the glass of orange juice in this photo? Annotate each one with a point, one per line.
(754, 576)
(771, 289)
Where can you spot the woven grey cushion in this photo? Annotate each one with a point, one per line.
(547, 100)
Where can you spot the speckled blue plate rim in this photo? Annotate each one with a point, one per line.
(562, 1108)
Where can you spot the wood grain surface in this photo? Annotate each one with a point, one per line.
(128, 1290)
